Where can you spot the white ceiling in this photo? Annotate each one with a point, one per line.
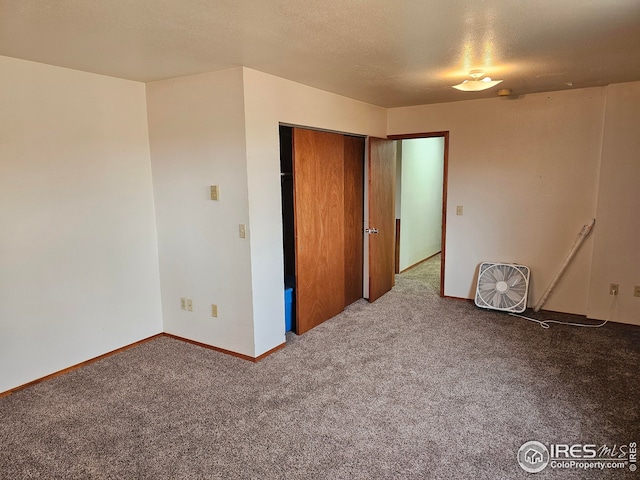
(386, 52)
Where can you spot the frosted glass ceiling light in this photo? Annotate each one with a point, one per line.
(477, 83)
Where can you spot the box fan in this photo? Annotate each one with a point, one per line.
(502, 286)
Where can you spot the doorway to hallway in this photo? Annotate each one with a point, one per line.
(421, 193)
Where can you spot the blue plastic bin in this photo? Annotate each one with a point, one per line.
(288, 309)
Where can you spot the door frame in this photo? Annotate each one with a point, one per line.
(345, 135)
(445, 177)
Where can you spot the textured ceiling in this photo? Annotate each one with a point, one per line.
(389, 53)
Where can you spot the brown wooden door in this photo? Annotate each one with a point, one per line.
(318, 171)
(382, 187)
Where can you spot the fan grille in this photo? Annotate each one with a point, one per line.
(502, 286)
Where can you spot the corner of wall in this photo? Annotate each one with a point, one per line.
(198, 139)
(615, 254)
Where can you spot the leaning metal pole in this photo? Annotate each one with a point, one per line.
(584, 233)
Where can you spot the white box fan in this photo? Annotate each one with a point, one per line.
(502, 286)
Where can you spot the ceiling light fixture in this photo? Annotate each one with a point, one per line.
(477, 82)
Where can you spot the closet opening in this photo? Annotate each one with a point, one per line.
(288, 228)
(322, 187)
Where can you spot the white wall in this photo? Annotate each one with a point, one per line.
(421, 199)
(78, 252)
(270, 100)
(526, 173)
(197, 137)
(616, 253)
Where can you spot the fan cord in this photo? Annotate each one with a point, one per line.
(545, 323)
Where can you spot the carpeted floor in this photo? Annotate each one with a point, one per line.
(412, 386)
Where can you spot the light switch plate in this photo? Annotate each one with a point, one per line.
(459, 210)
(242, 230)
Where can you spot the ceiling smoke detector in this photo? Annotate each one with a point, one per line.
(477, 83)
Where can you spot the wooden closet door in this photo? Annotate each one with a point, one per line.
(318, 172)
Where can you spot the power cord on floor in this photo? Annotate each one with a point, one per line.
(545, 323)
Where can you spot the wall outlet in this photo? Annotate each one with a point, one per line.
(183, 303)
(215, 192)
(614, 288)
(189, 305)
(214, 310)
(636, 291)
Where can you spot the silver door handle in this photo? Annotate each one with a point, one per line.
(371, 230)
